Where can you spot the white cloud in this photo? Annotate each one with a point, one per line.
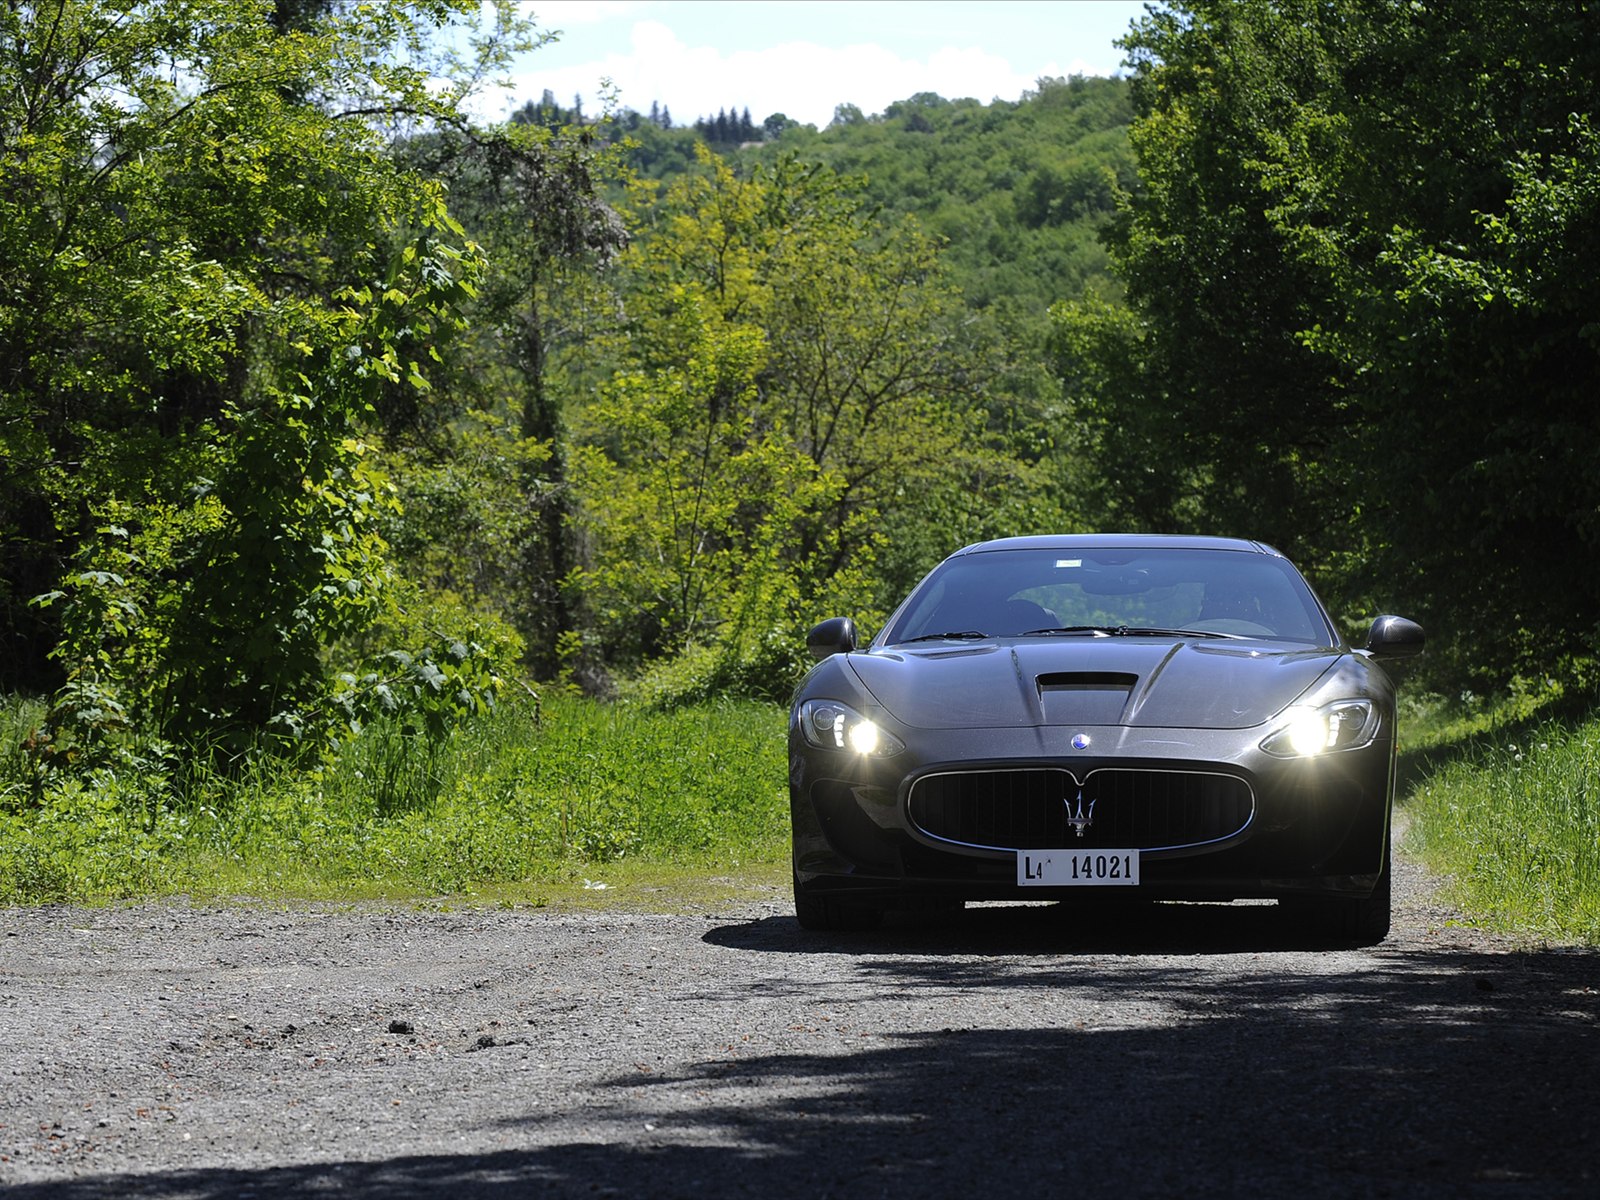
(568, 14)
(801, 79)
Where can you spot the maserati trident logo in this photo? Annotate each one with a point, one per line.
(1079, 819)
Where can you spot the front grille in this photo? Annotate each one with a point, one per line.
(1029, 808)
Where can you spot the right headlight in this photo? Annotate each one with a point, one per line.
(830, 725)
(1305, 732)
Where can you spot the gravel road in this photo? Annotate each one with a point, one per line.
(175, 1051)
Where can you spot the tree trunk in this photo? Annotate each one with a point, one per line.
(548, 554)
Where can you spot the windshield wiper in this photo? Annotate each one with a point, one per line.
(1130, 631)
(965, 634)
(1152, 631)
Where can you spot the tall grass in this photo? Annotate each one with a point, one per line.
(19, 716)
(521, 805)
(1513, 823)
(513, 801)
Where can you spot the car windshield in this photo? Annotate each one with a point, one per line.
(1112, 592)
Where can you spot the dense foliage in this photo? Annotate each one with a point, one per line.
(208, 275)
(327, 412)
(1014, 191)
(793, 394)
(1360, 308)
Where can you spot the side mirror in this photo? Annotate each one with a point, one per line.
(836, 635)
(1395, 637)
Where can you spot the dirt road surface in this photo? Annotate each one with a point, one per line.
(166, 1050)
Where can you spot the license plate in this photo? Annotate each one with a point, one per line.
(1077, 868)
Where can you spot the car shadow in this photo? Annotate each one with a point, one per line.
(1043, 929)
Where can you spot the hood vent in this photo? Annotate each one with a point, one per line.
(1084, 697)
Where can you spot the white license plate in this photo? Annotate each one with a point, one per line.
(1077, 868)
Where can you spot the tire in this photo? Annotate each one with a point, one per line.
(1344, 921)
(826, 915)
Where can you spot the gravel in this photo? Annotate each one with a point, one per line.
(168, 1050)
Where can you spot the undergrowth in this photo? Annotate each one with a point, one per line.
(521, 804)
(1506, 807)
(514, 800)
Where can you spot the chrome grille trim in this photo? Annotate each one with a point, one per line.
(1231, 797)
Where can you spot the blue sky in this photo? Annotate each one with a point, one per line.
(803, 57)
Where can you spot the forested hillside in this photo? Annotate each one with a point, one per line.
(1016, 193)
(324, 406)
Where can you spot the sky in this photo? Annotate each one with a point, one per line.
(804, 57)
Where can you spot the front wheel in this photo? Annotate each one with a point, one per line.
(826, 914)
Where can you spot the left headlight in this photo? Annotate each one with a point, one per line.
(830, 725)
(1307, 732)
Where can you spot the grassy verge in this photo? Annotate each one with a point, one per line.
(1508, 812)
(614, 805)
(660, 808)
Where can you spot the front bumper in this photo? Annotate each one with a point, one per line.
(1315, 826)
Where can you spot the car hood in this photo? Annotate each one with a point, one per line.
(1137, 682)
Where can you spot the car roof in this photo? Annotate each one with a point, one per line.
(1119, 541)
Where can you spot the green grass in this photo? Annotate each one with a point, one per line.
(1505, 805)
(19, 716)
(683, 806)
(590, 804)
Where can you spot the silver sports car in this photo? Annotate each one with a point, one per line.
(1107, 716)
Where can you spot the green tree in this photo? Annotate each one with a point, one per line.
(1221, 416)
(1361, 320)
(529, 194)
(1014, 194)
(695, 515)
(786, 347)
(209, 270)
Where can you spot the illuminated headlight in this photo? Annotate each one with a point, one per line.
(834, 726)
(1307, 732)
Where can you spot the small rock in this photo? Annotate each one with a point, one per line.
(398, 1026)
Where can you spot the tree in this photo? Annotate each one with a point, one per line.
(530, 195)
(1362, 320)
(794, 378)
(1237, 415)
(209, 269)
(964, 169)
(693, 510)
